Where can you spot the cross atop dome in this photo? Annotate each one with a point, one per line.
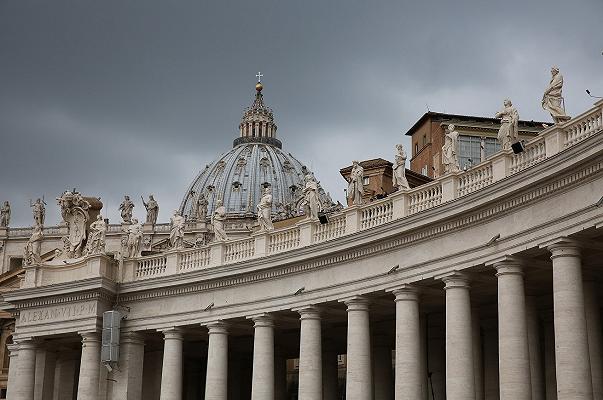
(259, 76)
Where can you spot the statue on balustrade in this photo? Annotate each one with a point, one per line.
(152, 210)
(96, 238)
(450, 159)
(264, 208)
(39, 211)
(509, 125)
(552, 100)
(177, 224)
(218, 221)
(5, 215)
(134, 239)
(399, 168)
(126, 208)
(311, 200)
(74, 210)
(33, 248)
(356, 184)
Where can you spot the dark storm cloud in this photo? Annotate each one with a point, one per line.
(135, 97)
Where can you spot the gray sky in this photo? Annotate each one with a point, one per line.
(135, 96)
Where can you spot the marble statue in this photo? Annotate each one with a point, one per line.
(311, 200)
(39, 211)
(152, 209)
(134, 241)
(200, 207)
(96, 238)
(126, 208)
(74, 210)
(509, 125)
(177, 223)
(399, 168)
(33, 248)
(450, 159)
(356, 184)
(264, 208)
(5, 215)
(552, 100)
(218, 221)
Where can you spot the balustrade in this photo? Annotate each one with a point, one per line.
(533, 153)
(475, 179)
(150, 267)
(425, 197)
(239, 250)
(333, 229)
(194, 259)
(284, 240)
(583, 126)
(376, 214)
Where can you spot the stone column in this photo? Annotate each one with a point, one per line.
(13, 352)
(460, 382)
(330, 380)
(262, 380)
(125, 381)
(171, 371)
(408, 374)
(310, 355)
(550, 376)
(88, 384)
(593, 324)
(571, 338)
(513, 350)
(216, 383)
(26, 372)
(536, 373)
(359, 380)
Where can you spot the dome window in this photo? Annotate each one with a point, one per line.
(266, 185)
(264, 163)
(236, 186)
(211, 188)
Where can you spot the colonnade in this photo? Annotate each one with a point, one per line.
(574, 342)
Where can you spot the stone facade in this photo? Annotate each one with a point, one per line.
(518, 257)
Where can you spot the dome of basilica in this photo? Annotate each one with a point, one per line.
(256, 161)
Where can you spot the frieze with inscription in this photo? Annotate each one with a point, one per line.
(59, 313)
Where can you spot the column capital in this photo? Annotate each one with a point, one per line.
(264, 319)
(90, 338)
(308, 312)
(27, 343)
(356, 303)
(406, 293)
(13, 349)
(508, 267)
(217, 327)
(173, 333)
(562, 247)
(454, 280)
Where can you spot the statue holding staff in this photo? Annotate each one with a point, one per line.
(152, 209)
(552, 100)
(39, 211)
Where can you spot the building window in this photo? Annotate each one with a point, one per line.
(365, 180)
(470, 151)
(424, 140)
(416, 148)
(424, 170)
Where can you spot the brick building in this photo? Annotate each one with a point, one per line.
(477, 139)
